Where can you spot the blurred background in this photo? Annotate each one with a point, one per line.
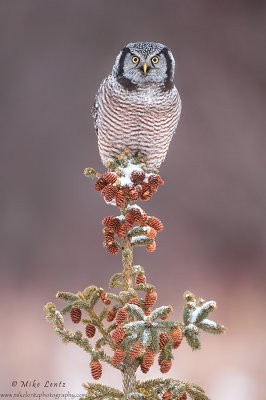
(53, 57)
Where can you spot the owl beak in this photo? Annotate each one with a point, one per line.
(145, 68)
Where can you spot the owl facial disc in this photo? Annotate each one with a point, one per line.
(144, 63)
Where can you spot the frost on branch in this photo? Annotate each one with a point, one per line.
(195, 319)
(124, 328)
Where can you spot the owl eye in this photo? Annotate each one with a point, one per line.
(135, 59)
(154, 60)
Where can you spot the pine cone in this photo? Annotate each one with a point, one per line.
(137, 176)
(106, 221)
(144, 369)
(100, 184)
(121, 316)
(104, 298)
(133, 194)
(134, 300)
(148, 358)
(110, 177)
(184, 397)
(165, 317)
(164, 339)
(110, 192)
(141, 278)
(146, 192)
(151, 232)
(176, 336)
(110, 315)
(120, 198)
(167, 396)
(121, 231)
(118, 335)
(136, 215)
(147, 311)
(96, 369)
(90, 330)
(114, 225)
(136, 350)
(165, 366)
(150, 299)
(118, 356)
(75, 315)
(155, 223)
(109, 237)
(129, 222)
(151, 247)
(113, 248)
(154, 182)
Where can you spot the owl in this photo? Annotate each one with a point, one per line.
(137, 106)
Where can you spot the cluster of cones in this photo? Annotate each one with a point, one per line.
(120, 316)
(142, 186)
(135, 217)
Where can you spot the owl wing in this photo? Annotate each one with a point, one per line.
(95, 107)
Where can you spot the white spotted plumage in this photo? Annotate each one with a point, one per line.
(142, 119)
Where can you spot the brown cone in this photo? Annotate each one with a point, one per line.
(164, 339)
(96, 369)
(165, 366)
(120, 198)
(151, 247)
(144, 369)
(113, 248)
(100, 184)
(114, 225)
(136, 215)
(133, 194)
(110, 315)
(104, 298)
(184, 397)
(75, 315)
(141, 279)
(110, 192)
(167, 396)
(110, 177)
(137, 176)
(134, 300)
(121, 316)
(109, 237)
(118, 356)
(176, 336)
(90, 330)
(156, 224)
(107, 220)
(150, 299)
(118, 335)
(129, 222)
(136, 350)
(151, 232)
(148, 358)
(121, 231)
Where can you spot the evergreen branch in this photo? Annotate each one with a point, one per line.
(196, 392)
(136, 311)
(160, 312)
(211, 327)
(145, 287)
(102, 390)
(114, 282)
(91, 173)
(67, 296)
(103, 313)
(202, 312)
(137, 269)
(66, 309)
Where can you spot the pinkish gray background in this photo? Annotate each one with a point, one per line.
(54, 55)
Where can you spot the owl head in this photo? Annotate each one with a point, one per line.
(144, 63)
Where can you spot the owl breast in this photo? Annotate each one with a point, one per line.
(143, 120)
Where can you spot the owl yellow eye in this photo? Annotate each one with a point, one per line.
(135, 59)
(154, 60)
